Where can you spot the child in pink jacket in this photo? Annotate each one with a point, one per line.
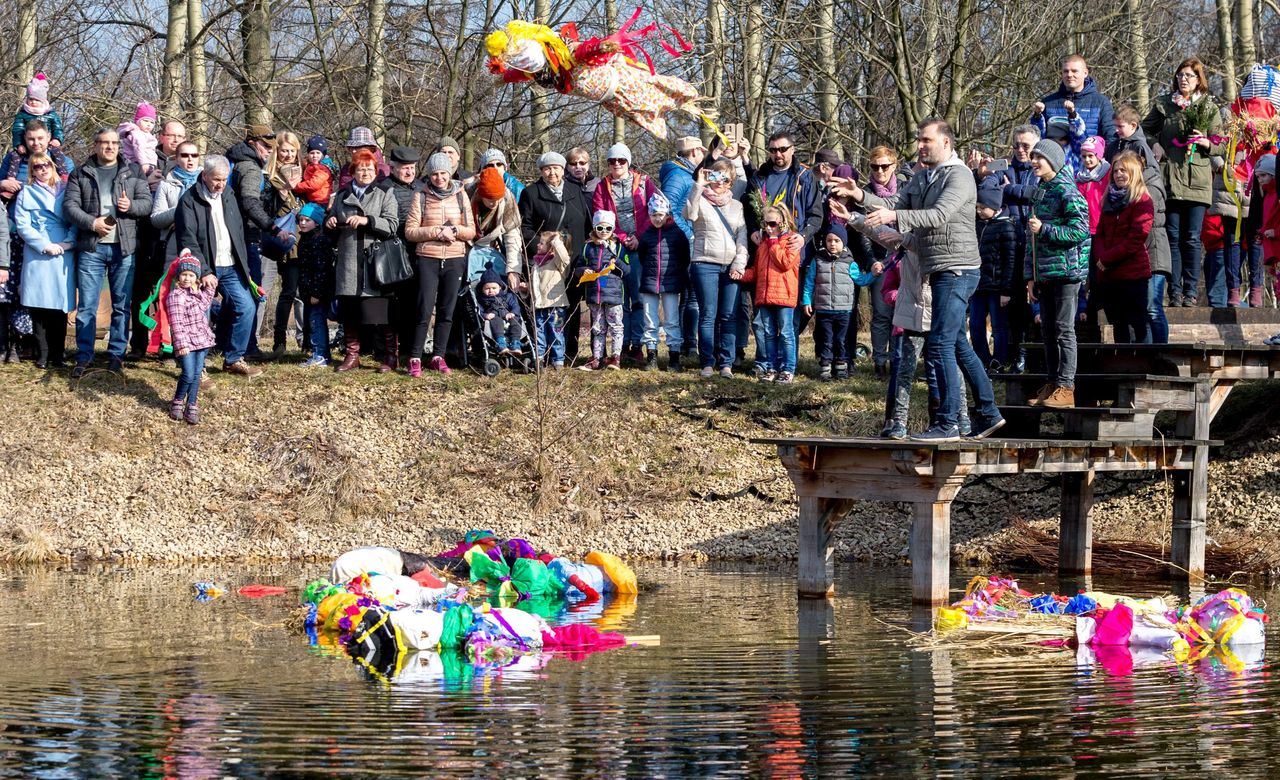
(188, 305)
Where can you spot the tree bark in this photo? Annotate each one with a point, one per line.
(25, 67)
(174, 48)
(255, 76)
(1226, 41)
(376, 70)
(713, 65)
(828, 107)
(1248, 40)
(1138, 55)
(958, 75)
(611, 20)
(755, 91)
(538, 104)
(197, 126)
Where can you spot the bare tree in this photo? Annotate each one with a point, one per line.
(198, 122)
(256, 64)
(175, 46)
(1248, 45)
(1226, 42)
(376, 69)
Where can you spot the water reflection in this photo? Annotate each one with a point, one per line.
(117, 672)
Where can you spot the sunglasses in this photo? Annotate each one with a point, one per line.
(618, 161)
(188, 154)
(881, 167)
(604, 228)
(772, 223)
(780, 149)
(496, 165)
(41, 167)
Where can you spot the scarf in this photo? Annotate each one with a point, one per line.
(885, 190)
(1099, 173)
(187, 178)
(557, 190)
(717, 200)
(444, 192)
(1116, 199)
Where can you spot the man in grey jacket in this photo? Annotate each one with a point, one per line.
(105, 198)
(935, 213)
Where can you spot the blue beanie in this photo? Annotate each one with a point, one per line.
(490, 276)
(313, 212)
(317, 143)
(839, 232)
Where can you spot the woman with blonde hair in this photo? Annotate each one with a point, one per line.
(48, 287)
(1120, 250)
(283, 173)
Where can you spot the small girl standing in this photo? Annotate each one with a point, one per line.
(316, 257)
(550, 300)
(188, 305)
(776, 275)
(137, 144)
(601, 278)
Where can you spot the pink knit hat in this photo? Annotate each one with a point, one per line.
(38, 88)
(1095, 144)
(145, 111)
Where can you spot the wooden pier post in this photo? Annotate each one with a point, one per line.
(930, 551)
(1075, 534)
(818, 520)
(1191, 491)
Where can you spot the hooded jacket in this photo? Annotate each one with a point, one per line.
(676, 179)
(1187, 173)
(776, 273)
(1061, 247)
(604, 290)
(664, 259)
(250, 186)
(1091, 105)
(500, 305)
(998, 245)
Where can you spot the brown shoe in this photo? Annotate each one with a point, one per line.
(241, 368)
(1061, 398)
(1044, 392)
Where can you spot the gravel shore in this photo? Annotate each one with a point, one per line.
(302, 464)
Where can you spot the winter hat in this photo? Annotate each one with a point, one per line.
(38, 88)
(361, 136)
(839, 232)
(604, 217)
(1051, 151)
(313, 212)
(491, 186)
(448, 140)
(1095, 144)
(619, 152)
(551, 158)
(318, 143)
(145, 111)
(403, 155)
(1057, 128)
(991, 197)
(439, 162)
(658, 204)
(1266, 164)
(492, 156)
(490, 276)
(187, 262)
(827, 156)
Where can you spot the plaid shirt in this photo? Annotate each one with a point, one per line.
(189, 318)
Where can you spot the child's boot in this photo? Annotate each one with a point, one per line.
(1233, 298)
(824, 372)
(176, 408)
(1255, 297)
(842, 371)
(612, 363)
(651, 360)
(193, 415)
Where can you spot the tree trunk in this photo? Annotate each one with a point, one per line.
(376, 70)
(713, 64)
(927, 95)
(755, 91)
(255, 76)
(903, 75)
(25, 67)
(1226, 41)
(958, 76)
(1138, 55)
(611, 22)
(828, 107)
(197, 127)
(538, 104)
(175, 45)
(1248, 41)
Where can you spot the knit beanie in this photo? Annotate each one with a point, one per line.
(439, 162)
(1095, 144)
(991, 197)
(313, 212)
(658, 204)
(38, 88)
(187, 262)
(839, 232)
(490, 276)
(1266, 164)
(492, 156)
(1051, 151)
(491, 186)
(145, 111)
(447, 140)
(318, 143)
(604, 217)
(1058, 127)
(619, 152)
(551, 158)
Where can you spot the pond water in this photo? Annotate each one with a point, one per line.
(119, 672)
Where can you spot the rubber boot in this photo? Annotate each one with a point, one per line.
(351, 343)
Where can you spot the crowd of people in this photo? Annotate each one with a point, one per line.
(964, 259)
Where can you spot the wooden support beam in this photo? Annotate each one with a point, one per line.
(818, 520)
(1191, 493)
(931, 551)
(1075, 535)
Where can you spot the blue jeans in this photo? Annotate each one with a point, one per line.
(1215, 275)
(775, 331)
(1236, 256)
(986, 305)
(670, 319)
(717, 297)
(103, 260)
(689, 319)
(1183, 220)
(632, 307)
(948, 352)
(238, 310)
(1155, 310)
(831, 337)
(548, 334)
(317, 315)
(192, 365)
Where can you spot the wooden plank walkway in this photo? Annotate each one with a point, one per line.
(1133, 383)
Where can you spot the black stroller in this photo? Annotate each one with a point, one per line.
(479, 352)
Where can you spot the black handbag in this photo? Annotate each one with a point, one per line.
(387, 262)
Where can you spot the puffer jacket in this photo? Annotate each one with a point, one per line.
(1158, 250)
(914, 303)
(676, 179)
(1184, 179)
(831, 282)
(249, 182)
(664, 259)
(998, 245)
(1059, 251)
(1223, 204)
(642, 188)
(607, 289)
(549, 278)
(1093, 107)
(429, 213)
(316, 185)
(939, 211)
(712, 241)
(1121, 243)
(776, 273)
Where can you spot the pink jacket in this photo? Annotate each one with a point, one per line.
(642, 188)
(189, 318)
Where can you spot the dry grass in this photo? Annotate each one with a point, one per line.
(28, 542)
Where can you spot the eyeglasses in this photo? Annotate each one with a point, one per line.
(618, 161)
(780, 149)
(579, 163)
(41, 167)
(1024, 147)
(1187, 76)
(188, 154)
(881, 166)
(772, 223)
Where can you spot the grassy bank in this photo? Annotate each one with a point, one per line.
(308, 463)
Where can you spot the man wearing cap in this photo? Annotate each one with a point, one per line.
(494, 158)
(362, 138)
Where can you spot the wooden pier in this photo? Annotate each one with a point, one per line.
(1119, 391)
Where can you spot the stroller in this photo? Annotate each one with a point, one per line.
(480, 352)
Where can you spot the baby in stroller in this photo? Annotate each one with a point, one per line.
(500, 314)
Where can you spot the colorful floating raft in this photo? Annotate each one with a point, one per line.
(1227, 624)
(487, 604)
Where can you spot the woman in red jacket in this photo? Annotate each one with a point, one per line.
(1120, 251)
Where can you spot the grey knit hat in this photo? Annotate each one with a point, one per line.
(492, 156)
(551, 158)
(1051, 151)
(1266, 164)
(439, 162)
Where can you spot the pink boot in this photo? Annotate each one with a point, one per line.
(1255, 297)
(1233, 298)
